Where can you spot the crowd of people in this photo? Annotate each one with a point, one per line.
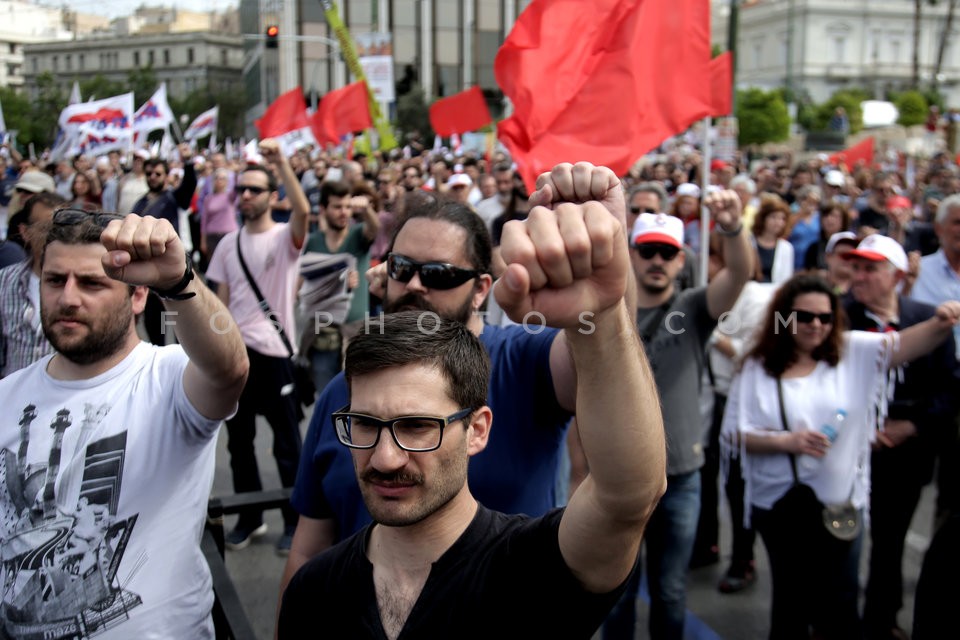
(818, 344)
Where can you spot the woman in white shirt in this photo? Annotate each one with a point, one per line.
(834, 385)
(774, 252)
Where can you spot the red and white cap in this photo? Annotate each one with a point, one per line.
(877, 248)
(658, 227)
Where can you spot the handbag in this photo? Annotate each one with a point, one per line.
(842, 521)
(302, 376)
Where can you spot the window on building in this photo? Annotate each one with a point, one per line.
(839, 48)
(13, 47)
(166, 57)
(446, 46)
(406, 13)
(224, 57)
(80, 61)
(757, 55)
(446, 15)
(150, 58)
(488, 15)
(359, 15)
(68, 62)
(189, 55)
(894, 51)
(34, 65)
(136, 58)
(448, 80)
(55, 63)
(875, 37)
(11, 70)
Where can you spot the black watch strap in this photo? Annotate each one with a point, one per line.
(176, 291)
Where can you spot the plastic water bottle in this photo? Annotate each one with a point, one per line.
(832, 429)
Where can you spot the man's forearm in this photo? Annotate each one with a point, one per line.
(618, 416)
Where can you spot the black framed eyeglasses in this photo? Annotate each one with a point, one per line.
(251, 188)
(433, 275)
(69, 216)
(649, 249)
(639, 210)
(807, 317)
(411, 433)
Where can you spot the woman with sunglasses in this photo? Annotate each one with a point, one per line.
(804, 409)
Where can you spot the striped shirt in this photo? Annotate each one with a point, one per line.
(21, 337)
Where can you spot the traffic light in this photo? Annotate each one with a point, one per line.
(272, 32)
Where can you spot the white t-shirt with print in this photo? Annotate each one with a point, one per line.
(104, 486)
(273, 262)
(857, 385)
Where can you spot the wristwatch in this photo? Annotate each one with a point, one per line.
(176, 291)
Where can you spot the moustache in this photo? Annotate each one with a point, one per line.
(408, 301)
(400, 478)
(655, 270)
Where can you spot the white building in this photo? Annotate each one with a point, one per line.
(24, 23)
(820, 46)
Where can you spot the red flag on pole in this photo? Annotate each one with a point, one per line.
(604, 81)
(287, 113)
(862, 152)
(460, 113)
(340, 112)
(721, 81)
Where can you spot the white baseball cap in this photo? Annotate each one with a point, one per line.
(835, 178)
(877, 248)
(459, 180)
(849, 237)
(658, 227)
(688, 189)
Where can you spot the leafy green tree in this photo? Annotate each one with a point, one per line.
(18, 115)
(819, 116)
(763, 116)
(232, 108)
(99, 87)
(912, 106)
(143, 82)
(413, 115)
(46, 109)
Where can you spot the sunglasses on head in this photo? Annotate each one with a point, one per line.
(649, 249)
(252, 189)
(638, 210)
(71, 216)
(433, 275)
(807, 317)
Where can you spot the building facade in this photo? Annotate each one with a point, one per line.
(818, 47)
(185, 61)
(22, 23)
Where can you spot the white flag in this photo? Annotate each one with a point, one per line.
(74, 94)
(155, 114)
(94, 128)
(251, 152)
(203, 125)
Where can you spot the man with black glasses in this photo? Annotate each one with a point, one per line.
(109, 443)
(675, 326)
(269, 252)
(437, 555)
(440, 263)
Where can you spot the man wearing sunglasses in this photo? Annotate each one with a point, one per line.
(439, 262)
(920, 420)
(675, 326)
(109, 443)
(417, 421)
(651, 197)
(271, 251)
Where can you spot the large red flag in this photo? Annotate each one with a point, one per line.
(860, 152)
(721, 81)
(342, 111)
(287, 113)
(460, 113)
(602, 81)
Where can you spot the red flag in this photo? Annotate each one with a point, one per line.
(604, 81)
(460, 113)
(287, 113)
(721, 83)
(340, 112)
(862, 152)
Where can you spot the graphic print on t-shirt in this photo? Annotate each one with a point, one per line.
(62, 539)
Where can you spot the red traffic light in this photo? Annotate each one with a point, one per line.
(272, 32)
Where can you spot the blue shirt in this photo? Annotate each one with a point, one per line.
(516, 472)
(936, 284)
(804, 234)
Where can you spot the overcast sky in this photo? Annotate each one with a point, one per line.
(116, 8)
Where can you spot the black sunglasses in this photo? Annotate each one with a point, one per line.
(649, 249)
(807, 317)
(433, 275)
(252, 189)
(70, 216)
(642, 210)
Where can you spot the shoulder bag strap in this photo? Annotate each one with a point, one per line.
(264, 305)
(783, 421)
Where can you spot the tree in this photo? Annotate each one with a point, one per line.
(232, 104)
(45, 110)
(143, 83)
(817, 117)
(763, 116)
(413, 116)
(942, 48)
(99, 87)
(912, 106)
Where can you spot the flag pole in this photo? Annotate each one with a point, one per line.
(704, 212)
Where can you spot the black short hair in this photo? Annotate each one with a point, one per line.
(271, 179)
(333, 188)
(421, 337)
(426, 204)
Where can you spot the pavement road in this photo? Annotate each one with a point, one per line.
(711, 615)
